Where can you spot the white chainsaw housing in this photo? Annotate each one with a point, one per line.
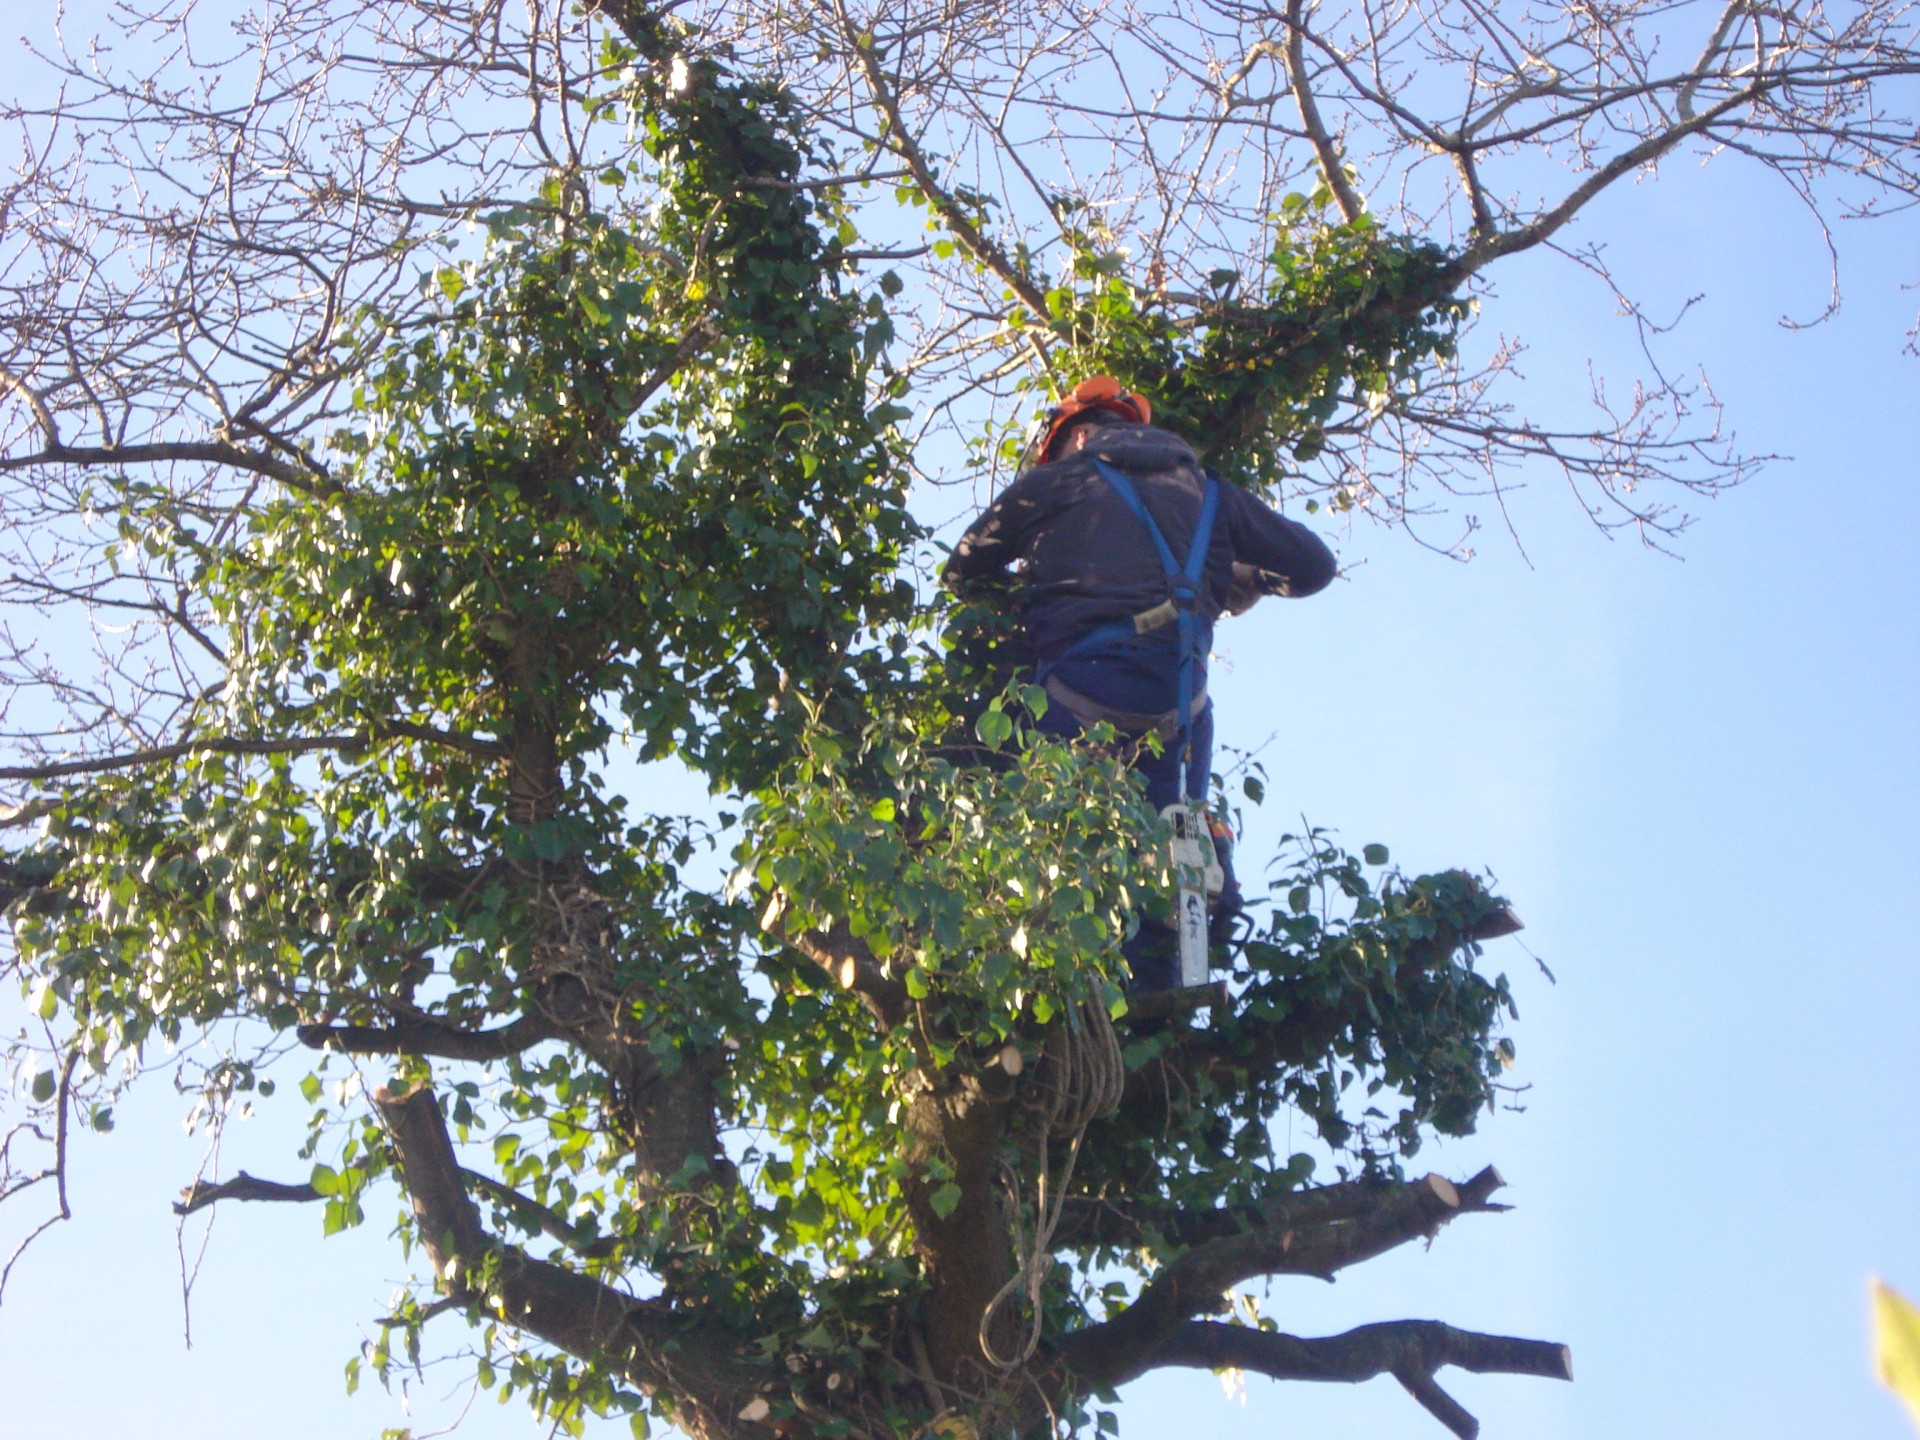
(1200, 878)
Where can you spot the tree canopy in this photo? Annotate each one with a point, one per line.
(413, 411)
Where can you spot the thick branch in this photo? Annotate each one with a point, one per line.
(694, 1360)
(702, 333)
(849, 960)
(1409, 1350)
(436, 1185)
(431, 1037)
(1325, 148)
(242, 1186)
(956, 219)
(242, 745)
(159, 754)
(1087, 1221)
(207, 452)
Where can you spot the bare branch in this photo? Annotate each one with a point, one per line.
(550, 1222)
(1409, 1350)
(900, 139)
(242, 1186)
(208, 452)
(57, 1172)
(1333, 166)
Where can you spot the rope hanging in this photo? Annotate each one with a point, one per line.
(1078, 1080)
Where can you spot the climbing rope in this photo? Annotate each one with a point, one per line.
(1080, 1074)
(1078, 1080)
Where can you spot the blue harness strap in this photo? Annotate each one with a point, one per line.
(1183, 592)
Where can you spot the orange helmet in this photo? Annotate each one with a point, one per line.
(1099, 392)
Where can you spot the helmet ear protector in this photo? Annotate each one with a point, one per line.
(1098, 392)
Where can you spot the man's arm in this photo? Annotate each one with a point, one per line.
(1273, 555)
(993, 542)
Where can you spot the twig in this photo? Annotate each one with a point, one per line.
(58, 1172)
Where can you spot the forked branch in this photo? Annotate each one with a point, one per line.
(56, 1172)
(1359, 1228)
(1408, 1350)
(692, 1358)
(961, 225)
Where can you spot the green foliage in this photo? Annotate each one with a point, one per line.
(634, 478)
(1358, 1008)
(1017, 878)
(1395, 994)
(1252, 371)
(997, 895)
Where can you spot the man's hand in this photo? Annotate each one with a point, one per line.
(1248, 589)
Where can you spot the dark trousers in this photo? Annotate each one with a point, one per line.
(1162, 772)
(1152, 953)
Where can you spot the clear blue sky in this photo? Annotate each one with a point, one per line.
(1696, 779)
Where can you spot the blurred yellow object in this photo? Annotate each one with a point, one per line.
(1896, 1346)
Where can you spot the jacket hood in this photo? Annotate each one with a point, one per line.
(1133, 449)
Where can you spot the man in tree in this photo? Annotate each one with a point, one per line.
(1129, 550)
(388, 535)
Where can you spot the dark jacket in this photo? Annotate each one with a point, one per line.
(1089, 561)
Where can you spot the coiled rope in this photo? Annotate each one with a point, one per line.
(1078, 1080)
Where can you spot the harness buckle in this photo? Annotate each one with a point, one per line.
(1147, 621)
